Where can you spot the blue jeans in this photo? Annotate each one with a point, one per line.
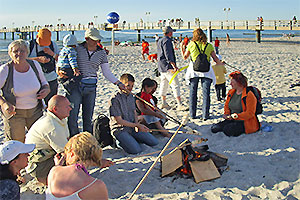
(205, 82)
(130, 141)
(88, 102)
(217, 50)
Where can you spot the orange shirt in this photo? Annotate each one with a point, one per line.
(145, 46)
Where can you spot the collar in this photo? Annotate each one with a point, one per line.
(61, 122)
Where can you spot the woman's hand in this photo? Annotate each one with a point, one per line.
(106, 163)
(228, 117)
(43, 92)
(141, 128)
(76, 72)
(8, 110)
(59, 159)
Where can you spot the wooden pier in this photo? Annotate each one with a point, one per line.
(28, 32)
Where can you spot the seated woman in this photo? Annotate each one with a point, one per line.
(73, 181)
(149, 114)
(13, 158)
(239, 109)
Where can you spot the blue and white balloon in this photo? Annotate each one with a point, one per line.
(113, 17)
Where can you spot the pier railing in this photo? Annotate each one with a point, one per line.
(230, 24)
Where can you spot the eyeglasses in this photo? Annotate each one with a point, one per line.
(18, 50)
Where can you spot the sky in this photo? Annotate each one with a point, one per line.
(29, 12)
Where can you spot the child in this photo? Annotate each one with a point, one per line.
(67, 62)
(152, 57)
(145, 46)
(124, 123)
(149, 114)
(217, 44)
(220, 72)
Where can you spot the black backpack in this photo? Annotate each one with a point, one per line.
(101, 131)
(201, 63)
(257, 94)
(46, 67)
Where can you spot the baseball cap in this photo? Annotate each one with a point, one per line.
(11, 149)
(44, 37)
(92, 33)
(69, 40)
(167, 29)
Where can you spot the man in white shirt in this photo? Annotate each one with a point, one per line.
(45, 51)
(50, 135)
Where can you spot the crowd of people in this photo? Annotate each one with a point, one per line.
(56, 151)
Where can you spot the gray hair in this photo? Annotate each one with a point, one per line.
(18, 43)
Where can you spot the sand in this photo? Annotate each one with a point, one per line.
(262, 165)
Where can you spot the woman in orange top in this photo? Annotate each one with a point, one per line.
(239, 116)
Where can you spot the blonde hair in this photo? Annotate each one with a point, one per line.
(18, 43)
(86, 149)
(199, 35)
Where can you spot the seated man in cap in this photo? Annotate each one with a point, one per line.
(89, 58)
(46, 53)
(50, 135)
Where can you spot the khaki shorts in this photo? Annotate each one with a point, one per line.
(42, 168)
(24, 118)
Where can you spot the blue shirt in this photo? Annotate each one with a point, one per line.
(165, 54)
(67, 58)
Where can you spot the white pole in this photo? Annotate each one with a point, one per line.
(208, 34)
(112, 41)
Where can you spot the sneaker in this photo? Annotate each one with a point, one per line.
(182, 108)
(166, 106)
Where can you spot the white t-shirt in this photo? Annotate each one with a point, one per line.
(26, 85)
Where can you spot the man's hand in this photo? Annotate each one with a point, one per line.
(49, 51)
(141, 128)
(76, 72)
(61, 73)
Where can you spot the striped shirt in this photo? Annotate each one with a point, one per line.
(67, 58)
(89, 62)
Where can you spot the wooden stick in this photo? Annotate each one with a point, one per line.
(156, 108)
(148, 154)
(171, 131)
(231, 66)
(158, 157)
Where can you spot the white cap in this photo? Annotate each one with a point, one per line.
(69, 40)
(92, 33)
(11, 149)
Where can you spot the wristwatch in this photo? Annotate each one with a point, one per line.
(234, 116)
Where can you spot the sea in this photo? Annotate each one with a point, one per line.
(131, 35)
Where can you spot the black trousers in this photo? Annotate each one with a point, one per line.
(53, 90)
(229, 127)
(220, 89)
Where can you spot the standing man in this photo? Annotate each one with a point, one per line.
(167, 67)
(45, 51)
(217, 44)
(50, 134)
(89, 58)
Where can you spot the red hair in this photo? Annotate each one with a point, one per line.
(239, 78)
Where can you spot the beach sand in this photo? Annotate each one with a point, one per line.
(262, 165)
